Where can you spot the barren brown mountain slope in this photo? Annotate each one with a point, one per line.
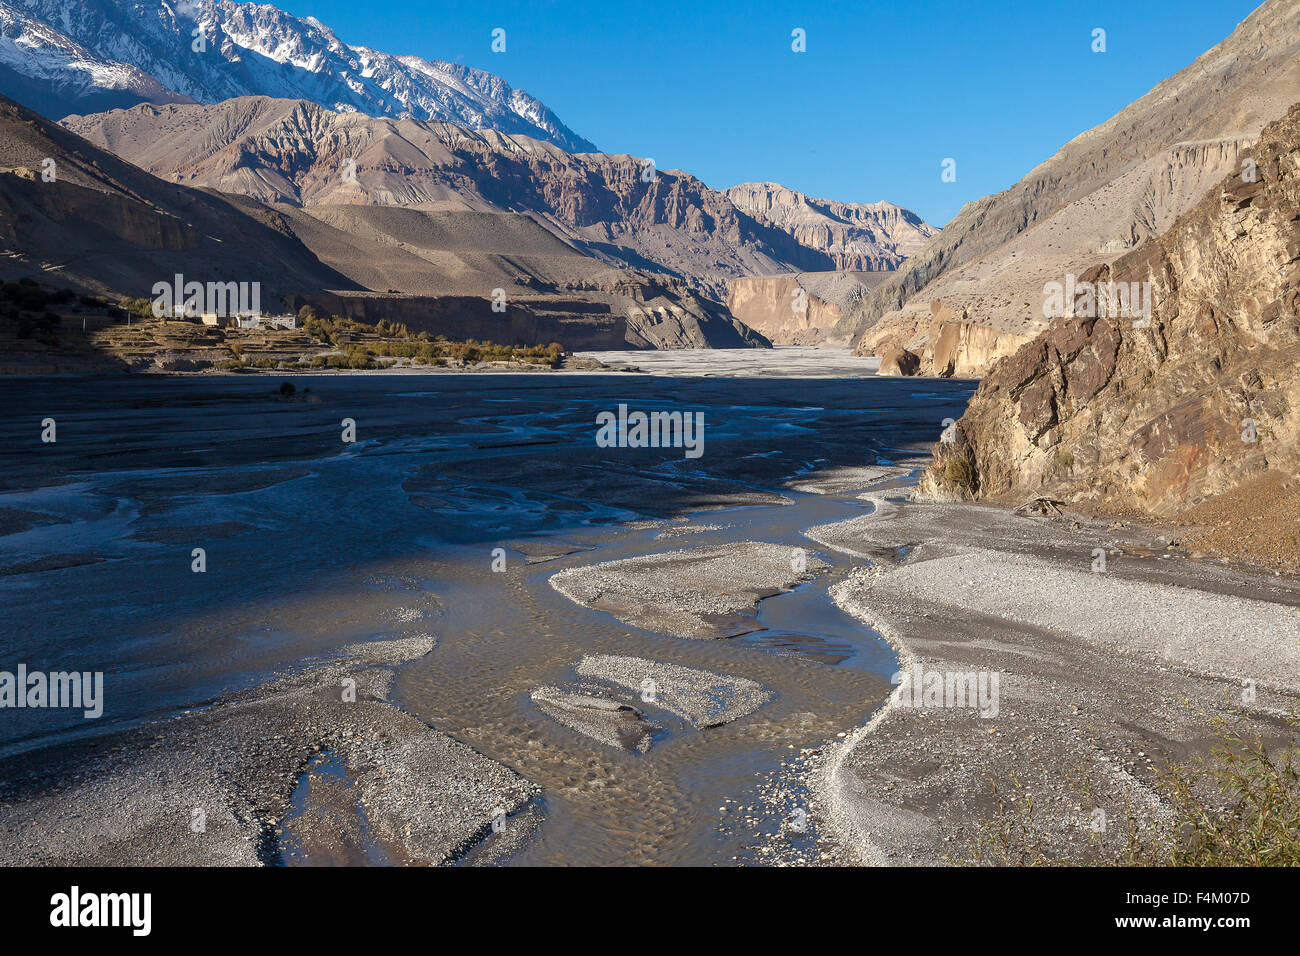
(101, 224)
(450, 252)
(104, 225)
(450, 264)
(616, 208)
(1160, 419)
(1101, 194)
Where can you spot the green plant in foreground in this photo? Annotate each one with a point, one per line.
(959, 473)
(1238, 806)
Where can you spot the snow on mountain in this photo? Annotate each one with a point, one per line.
(212, 50)
(47, 70)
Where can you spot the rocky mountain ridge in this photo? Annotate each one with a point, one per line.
(212, 50)
(1108, 189)
(859, 237)
(1112, 413)
(618, 209)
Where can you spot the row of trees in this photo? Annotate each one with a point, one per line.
(395, 340)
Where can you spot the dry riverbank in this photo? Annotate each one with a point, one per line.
(1103, 676)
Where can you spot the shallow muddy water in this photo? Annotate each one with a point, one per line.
(311, 543)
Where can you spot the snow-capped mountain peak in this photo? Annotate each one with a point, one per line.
(213, 50)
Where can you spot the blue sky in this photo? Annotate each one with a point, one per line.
(885, 92)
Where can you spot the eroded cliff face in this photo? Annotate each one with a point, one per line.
(948, 344)
(859, 237)
(781, 309)
(797, 308)
(1158, 418)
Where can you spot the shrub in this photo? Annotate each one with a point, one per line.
(28, 296)
(1239, 806)
(319, 329)
(142, 308)
(44, 328)
(959, 473)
